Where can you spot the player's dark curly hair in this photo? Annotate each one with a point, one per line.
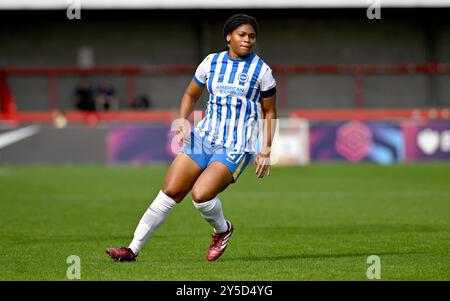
(237, 20)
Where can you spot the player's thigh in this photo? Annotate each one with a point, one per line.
(211, 182)
(181, 176)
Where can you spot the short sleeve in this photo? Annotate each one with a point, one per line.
(201, 72)
(268, 81)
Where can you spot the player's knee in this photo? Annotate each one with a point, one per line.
(201, 195)
(174, 194)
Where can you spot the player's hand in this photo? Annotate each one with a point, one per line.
(183, 132)
(262, 165)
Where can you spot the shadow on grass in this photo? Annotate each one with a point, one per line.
(353, 229)
(313, 256)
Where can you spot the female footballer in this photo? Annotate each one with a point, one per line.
(218, 150)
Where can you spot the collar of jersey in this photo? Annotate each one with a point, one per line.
(247, 58)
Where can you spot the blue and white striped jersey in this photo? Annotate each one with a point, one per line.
(233, 109)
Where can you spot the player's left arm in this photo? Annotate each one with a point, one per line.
(268, 106)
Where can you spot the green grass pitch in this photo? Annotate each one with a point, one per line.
(317, 222)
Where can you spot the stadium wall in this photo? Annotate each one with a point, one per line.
(297, 37)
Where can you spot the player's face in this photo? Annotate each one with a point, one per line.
(241, 40)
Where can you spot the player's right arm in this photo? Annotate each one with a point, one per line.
(190, 97)
(188, 101)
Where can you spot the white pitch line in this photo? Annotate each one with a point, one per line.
(14, 136)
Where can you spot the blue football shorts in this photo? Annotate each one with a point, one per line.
(204, 152)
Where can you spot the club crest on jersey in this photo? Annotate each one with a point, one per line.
(243, 77)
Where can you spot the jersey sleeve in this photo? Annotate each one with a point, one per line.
(201, 72)
(268, 81)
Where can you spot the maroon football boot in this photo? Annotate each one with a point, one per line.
(121, 254)
(219, 243)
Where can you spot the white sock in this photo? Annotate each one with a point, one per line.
(155, 215)
(212, 212)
